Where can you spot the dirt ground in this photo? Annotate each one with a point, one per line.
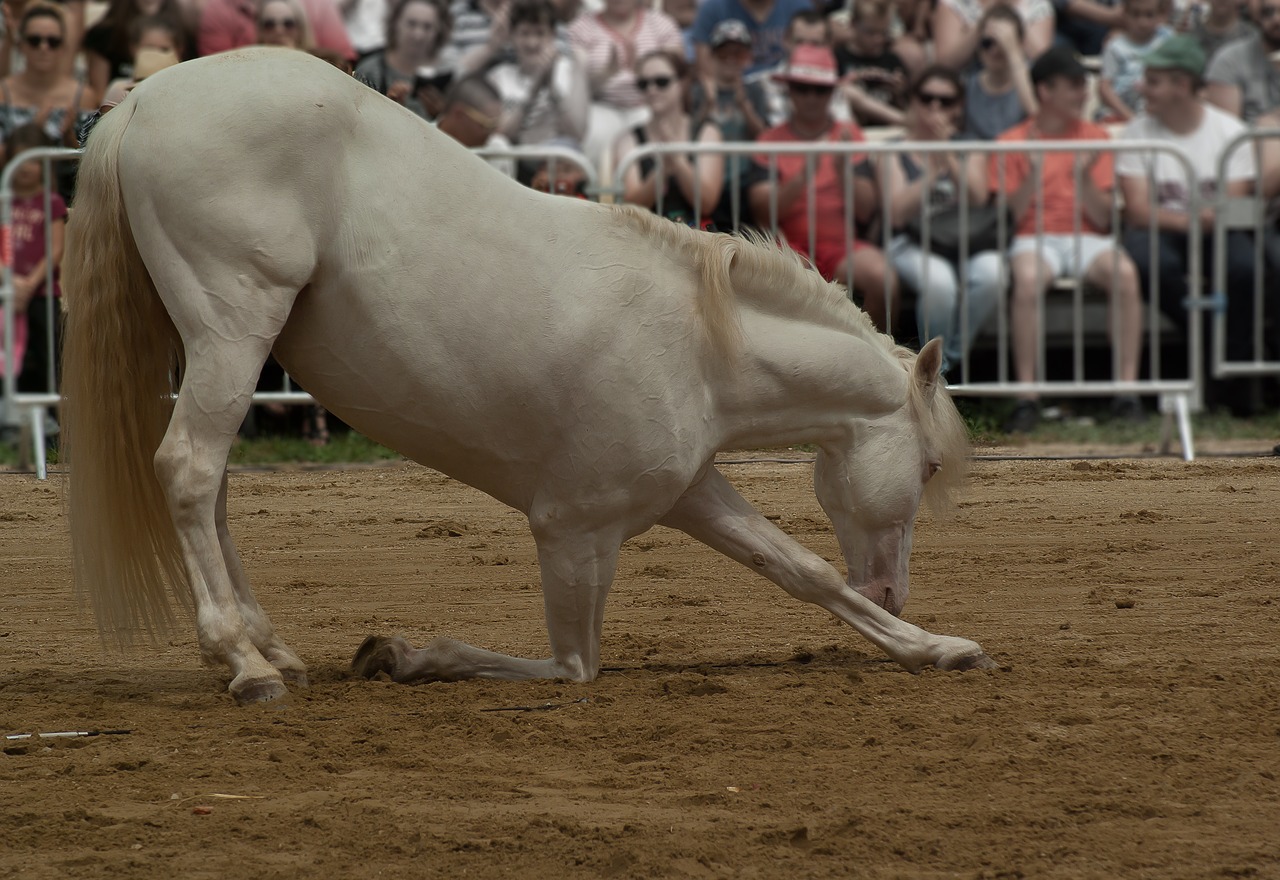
(1133, 731)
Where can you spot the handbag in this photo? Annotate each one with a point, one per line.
(983, 228)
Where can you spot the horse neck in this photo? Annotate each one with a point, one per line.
(799, 381)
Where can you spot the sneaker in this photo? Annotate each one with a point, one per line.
(1128, 408)
(1024, 418)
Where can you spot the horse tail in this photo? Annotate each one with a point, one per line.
(121, 353)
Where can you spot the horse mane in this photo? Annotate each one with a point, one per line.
(778, 280)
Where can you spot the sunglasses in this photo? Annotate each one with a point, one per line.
(284, 24)
(931, 99)
(986, 43)
(810, 89)
(658, 82)
(35, 41)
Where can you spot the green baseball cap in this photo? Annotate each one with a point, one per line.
(1179, 52)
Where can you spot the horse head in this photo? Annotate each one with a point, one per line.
(871, 483)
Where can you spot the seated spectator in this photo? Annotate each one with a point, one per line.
(1222, 24)
(1119, 87)
(418, 64)
(544, 92)
(37, 309)
(683, 13)
(957, 29)
(1056, 194)
(767, 20)
(611, 41)
(110, 44)
(998, 95)
(866, 61)
(1086, 24)
(156, 49)
(1176, 115)
(738, 108)
(284, 23)
(1242, 79)
(915, 183)
(680, 187)
(833, 249)
(914, 43)
(43, 93)
(231, 24)
(806, 28)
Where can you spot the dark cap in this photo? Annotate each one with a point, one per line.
(730, 31)
(1058, 61)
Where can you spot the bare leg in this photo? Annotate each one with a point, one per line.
(577, 571)
(1114, 272)
(1030, 276)
(713, 512)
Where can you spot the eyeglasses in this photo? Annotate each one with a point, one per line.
(658, 82)
(810, 89)
(284, 24)
(932, 99)
(986, 43)
(35, 41)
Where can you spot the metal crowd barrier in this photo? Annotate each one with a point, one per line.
(1248, 214)
(1177, 395)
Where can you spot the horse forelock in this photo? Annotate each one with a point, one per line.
(944, 433)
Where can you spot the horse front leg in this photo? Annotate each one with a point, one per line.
(713, 512)
(577, 571)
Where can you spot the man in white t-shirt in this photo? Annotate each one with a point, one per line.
(1176, 115)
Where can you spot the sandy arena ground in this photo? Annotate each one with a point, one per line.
(1133, 731)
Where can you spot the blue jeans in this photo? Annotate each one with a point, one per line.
(938, 302)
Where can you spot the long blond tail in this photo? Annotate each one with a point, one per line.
(121, 353)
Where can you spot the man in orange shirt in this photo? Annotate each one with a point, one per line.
(829, 243)
(1058, 235)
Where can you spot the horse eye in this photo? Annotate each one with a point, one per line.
(934, 467)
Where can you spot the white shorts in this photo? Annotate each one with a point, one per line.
(1060, 252)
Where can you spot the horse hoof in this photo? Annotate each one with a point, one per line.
(973, 661)
(373, 656)
(261, 690)
(295, 678)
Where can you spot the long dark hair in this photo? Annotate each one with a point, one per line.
(119, 20)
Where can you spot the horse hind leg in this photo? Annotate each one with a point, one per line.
(577, 571)
(261, 631)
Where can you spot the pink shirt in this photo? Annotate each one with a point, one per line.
(231, 24)
(595, 40)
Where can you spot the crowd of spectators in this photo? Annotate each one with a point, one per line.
(604, 77)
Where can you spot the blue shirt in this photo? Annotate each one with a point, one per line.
(766, 36)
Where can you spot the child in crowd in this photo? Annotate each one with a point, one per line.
(866, 61)
(739, 108)
(1142, 28)
(37, 310)
(155, 43)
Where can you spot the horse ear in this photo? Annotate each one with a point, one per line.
(928, 369)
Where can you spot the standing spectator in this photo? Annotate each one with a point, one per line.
(1000, 94)
(1087, 24)
(1242, 79)
(683, 13)
(873, 70)
(1056, 194)
(1223, 24)
(1176, 115)
(418, 63)
(544, 93)
(231, 24)
(284, 23)
(1119, 87)
(39, 307)
(109, 45)
(957, 29)
(682, 188)
(767, 20)
(837, 254)
(917, 183)
(43, 93)
(611, 41)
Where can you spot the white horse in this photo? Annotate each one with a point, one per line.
(578, 362)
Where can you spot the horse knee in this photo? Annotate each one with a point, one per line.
(190, 482)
